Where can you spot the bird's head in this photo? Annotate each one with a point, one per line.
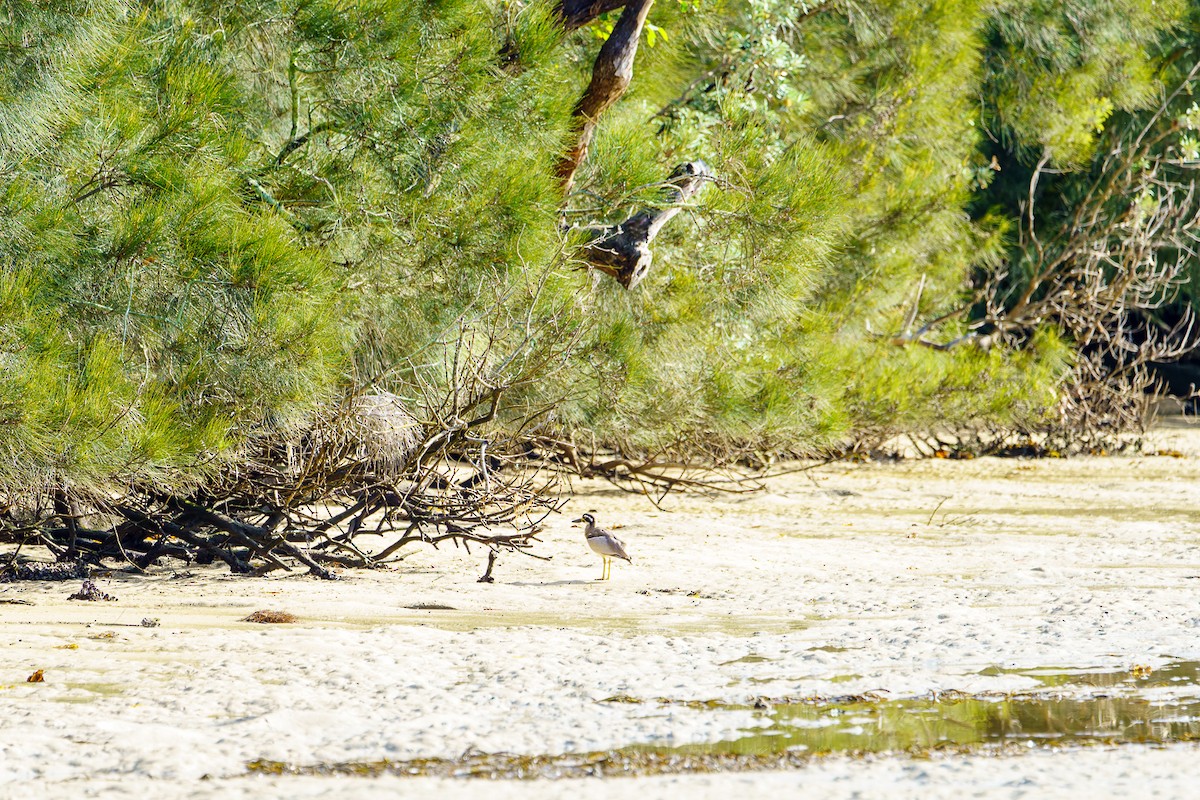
(588, 518)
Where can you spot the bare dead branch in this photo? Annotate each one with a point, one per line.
(449, 464)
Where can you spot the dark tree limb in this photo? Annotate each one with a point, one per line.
(623, 250)
(611, 75)
(487, 575)
(257, 538)
(185, 534)
(577, 13)
(296, 142)
(63, 508)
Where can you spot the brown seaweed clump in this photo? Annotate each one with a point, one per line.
(89, 591)
(271, 617)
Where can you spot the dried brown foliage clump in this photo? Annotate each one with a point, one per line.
(271, 617)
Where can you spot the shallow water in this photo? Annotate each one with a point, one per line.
(88, 691)
(787, 734)
(612, 624)
(1177, 674)
(916, 725)
(1120, 713)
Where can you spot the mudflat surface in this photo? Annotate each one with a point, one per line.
(915, 580)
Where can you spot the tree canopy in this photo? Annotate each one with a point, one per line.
(714, 229)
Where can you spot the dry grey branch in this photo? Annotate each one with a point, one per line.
(371, 475)
(623, 250)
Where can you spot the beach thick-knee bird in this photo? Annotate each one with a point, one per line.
(604, 543)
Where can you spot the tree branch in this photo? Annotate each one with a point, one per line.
(623, 250)
(611, 75)
(577, 13)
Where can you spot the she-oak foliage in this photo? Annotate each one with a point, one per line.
(217, 216)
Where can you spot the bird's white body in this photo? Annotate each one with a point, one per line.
(604, 544)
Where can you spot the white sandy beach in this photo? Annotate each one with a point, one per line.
(894, 579)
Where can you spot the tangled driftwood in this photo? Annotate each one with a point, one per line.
(363, 482)
(369, 476)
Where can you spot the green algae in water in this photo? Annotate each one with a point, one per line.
(750, 658)
(870, 725)
(920, 725)
(1177, 674)
(788, 735)
(89, 692)
(793, 735)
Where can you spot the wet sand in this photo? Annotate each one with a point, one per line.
(893, 580)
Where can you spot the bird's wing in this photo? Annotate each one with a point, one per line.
(618, 548)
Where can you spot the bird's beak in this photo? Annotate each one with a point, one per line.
(577, 520)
